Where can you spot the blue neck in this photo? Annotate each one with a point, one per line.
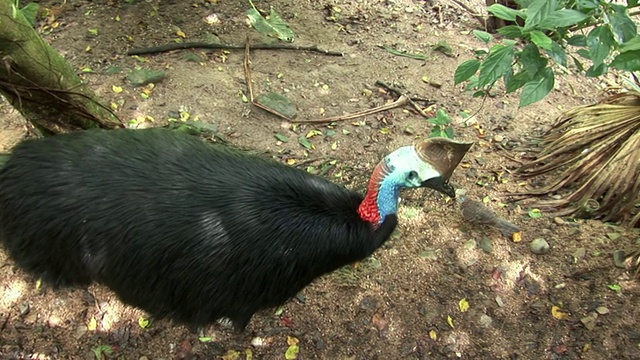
(387, 199)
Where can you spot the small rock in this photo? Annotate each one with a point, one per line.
(486, 245)
(409, 130)
(470, 245)
(559, 221)
(498, 138)
(602, 310)
(485, 320)
(539, 246)
(619, 257)
(589, 322)
(579, 254)
(54, 321)
(80, 330)
(368, 303)
(145, 76)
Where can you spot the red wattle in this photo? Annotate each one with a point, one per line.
(368, 209)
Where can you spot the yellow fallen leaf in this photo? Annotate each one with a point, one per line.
(181, 34)
(433, 335)
(92, 325)
(292, 352)
(313, 133)
(334, 145)
(116, 89)
(557, 313)
(292, 340)
(291, 161)
(463, 304)
(231, 355)
(143, 322)
(248, 354)
(450, 321)
(516, 236)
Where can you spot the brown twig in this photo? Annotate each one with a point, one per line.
(410, 100)
(481, 19)
(205, 45)
(401, 101)
(246, 63)
(308, 161)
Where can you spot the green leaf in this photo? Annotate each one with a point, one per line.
(531, 60)
(466, 70)
(443, 47)
(479, 93)
(587, 4)
(537, 11)
(278, 103)
(497, 64)
(627, 61)
(483, 35)
(511, 31)
(30, 11)
(271, 25)
(561, 18)
(292, 352)
(624, 28)
(557, 53)
(405, 54)
(540, 39)
(600, 42)
(534, 213)
(614, 287)
(305, 142)
(632, 3)
(578, 64)
(597, 70)
(577, 40)
(517, 81)
(631, 45)
(536, 89)
(282, 138)
(442, 118)
(502, 12)
(584, 53)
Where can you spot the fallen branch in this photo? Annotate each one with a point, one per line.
(206, 45)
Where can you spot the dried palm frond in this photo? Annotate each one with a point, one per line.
(592, 152)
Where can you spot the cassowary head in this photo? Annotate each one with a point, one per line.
(426, 164)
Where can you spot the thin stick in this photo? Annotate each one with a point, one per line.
(205, 45)
(401, 101)
(400, 93)
(247, 69)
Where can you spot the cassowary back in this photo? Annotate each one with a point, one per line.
(177, 227)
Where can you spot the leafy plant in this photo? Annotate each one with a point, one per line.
(441, 125)
(550, 28)
(100, 351)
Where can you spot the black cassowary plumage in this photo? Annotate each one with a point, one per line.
(177, 227)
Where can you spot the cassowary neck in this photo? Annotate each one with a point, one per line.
(381, 198)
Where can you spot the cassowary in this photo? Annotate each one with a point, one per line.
(192, 231)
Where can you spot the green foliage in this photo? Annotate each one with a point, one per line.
(441, 125)
(271, 25)
(602, 34)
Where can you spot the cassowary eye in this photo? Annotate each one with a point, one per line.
(413, 175)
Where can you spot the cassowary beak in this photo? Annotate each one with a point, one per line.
(443, 155)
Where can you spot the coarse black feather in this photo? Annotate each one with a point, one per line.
(175, 226)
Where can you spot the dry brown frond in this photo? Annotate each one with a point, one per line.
(592, 152)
